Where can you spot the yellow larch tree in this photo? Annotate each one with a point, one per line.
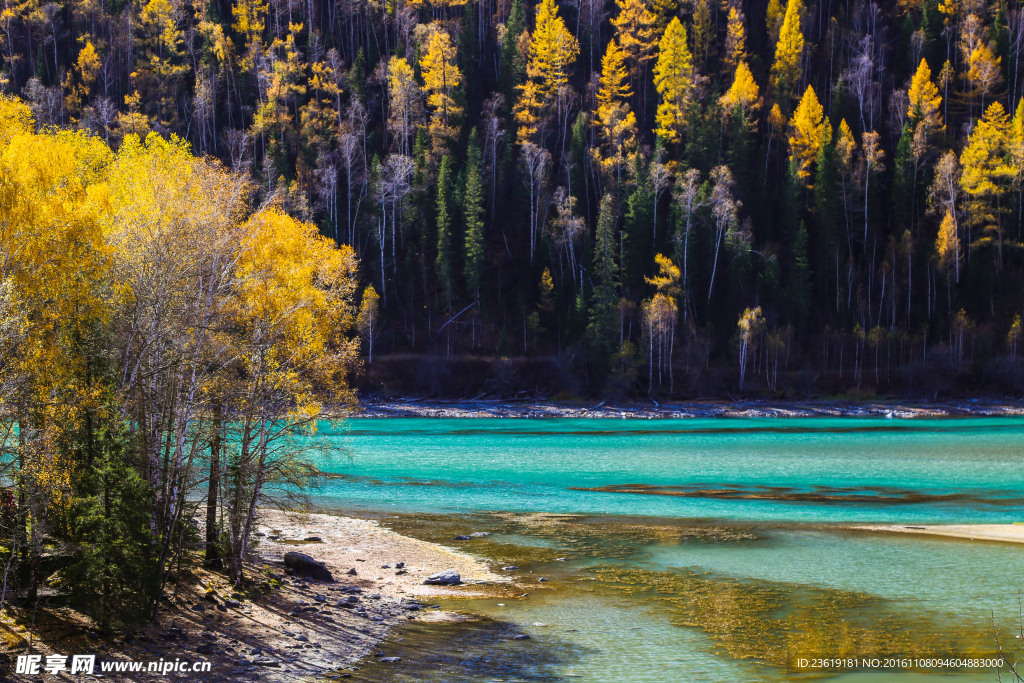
(924, 99)
(553, 50)
(947, 245)
(614, 117)
(987, 175)
(441, 77)
(637, 30)
(735, 38)
(786, 69)
(404, 102)
(743, 92)
(984, 71)
(673, 79)
(805, 132)
(1017, 143)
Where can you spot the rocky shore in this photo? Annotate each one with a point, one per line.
(304, 625)
(689, 409)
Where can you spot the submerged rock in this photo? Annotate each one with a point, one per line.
(304, 565)
(449, 577)
(462, 538)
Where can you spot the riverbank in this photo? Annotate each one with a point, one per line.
(435, 408)
(1003, 533)
(284, 627)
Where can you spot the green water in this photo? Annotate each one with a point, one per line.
(715, 550)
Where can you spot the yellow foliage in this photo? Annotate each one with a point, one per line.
(735, 38)
(636, 27)
(947, 245)
(987, 171)
(743, 92)
(441, 77)
(845, 145)
(789, 50)
(667, 279)
(552, 52)
(805, 134)
(88, 65)
(614, 88)
(617, 122)
(15, 118)
(673, 79)
(924, 98)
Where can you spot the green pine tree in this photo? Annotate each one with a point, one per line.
(443, 267)
(473, 217)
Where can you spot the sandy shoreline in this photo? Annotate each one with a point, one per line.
(364, 545)
(293, 628)
(1003, 533)
(687, 409)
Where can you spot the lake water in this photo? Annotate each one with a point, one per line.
(693, 549)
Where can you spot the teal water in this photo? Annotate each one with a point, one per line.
(870, 470)
(715, 550)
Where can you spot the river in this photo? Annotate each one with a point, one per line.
(699, 549)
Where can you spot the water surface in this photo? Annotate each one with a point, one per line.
(716, 549)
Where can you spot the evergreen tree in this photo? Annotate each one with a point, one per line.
(601, 326)
(473, 218)
(512, 70)
(113, 574)
(637, 255)
(443, 263)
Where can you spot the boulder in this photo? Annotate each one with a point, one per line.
(449, 577)
(304, 565)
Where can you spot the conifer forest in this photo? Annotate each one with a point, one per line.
(598, 197)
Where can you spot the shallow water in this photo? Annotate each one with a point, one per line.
(699, 549)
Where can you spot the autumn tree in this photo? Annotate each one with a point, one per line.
(617, 121)
(924, 99)
(750, 325)
(636, 28)
(735, 38)
(786, 67)
(405, 99)
(553, 51)
(806, 129)
(742, 95)
(986, 177)
(367, 321)
(441, 78)
(673, 79)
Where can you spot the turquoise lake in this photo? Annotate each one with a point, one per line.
(715, 549)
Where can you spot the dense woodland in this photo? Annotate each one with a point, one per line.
(634, 197)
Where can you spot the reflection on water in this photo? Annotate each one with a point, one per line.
(669, 600)
(697, 550)
(483, 649)
(816, 494)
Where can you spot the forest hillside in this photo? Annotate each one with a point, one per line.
(602, 196)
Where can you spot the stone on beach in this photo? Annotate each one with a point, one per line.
(304, 565)
(449, 577)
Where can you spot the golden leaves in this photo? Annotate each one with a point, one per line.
(806, 131)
